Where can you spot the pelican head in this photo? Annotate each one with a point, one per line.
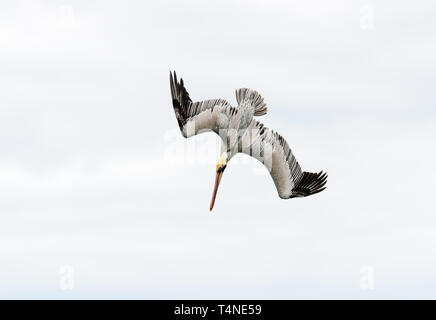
(220, 167)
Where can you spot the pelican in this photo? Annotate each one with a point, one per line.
(241, 132)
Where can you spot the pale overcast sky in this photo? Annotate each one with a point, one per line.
(101, 196)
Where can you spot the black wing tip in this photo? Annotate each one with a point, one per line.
(310, 183)
(180, 98)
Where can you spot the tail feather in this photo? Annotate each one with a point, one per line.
(255, 99)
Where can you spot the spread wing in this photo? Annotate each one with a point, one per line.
(273, 151)
(200, 116)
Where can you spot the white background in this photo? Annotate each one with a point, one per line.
(95, 176)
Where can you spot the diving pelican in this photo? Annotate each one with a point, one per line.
(241, 132)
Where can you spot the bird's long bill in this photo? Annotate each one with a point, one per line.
(219, 174)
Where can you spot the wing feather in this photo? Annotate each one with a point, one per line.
(200, 116)
(274, 152)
